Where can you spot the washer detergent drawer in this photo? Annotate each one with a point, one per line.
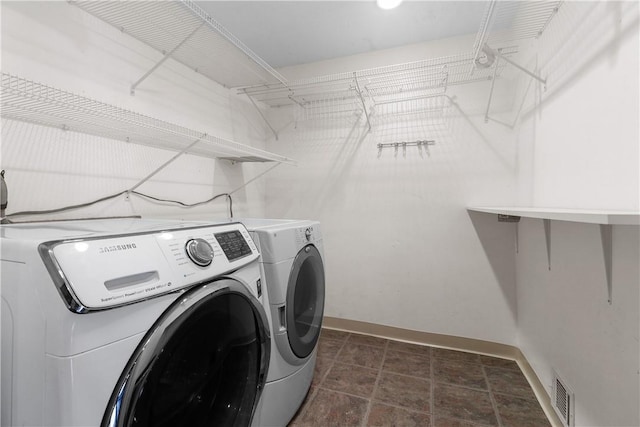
(77, 388)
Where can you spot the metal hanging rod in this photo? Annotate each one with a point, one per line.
(396, 145)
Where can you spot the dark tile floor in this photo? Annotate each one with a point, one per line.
(368, 381)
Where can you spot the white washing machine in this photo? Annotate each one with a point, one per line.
(291, 257)
(129, 322)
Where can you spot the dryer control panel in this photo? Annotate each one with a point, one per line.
(307, 234)
(103, 272)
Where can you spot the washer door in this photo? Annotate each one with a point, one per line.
(203, 363)
(305, 301)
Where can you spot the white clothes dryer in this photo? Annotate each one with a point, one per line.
(291, 259)
(129, 322)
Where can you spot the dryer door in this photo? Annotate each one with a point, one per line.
(203, 363)
(305, 301)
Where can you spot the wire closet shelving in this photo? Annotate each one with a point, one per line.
(504, 28)
(181, 30)
(36, 103)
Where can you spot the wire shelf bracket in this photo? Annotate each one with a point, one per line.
(275, 134)
(164, 58)
(364, 106)
(164, 165)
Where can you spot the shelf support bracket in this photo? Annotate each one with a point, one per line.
(498, 55)
(519, 67)
(165, 164)
(254, 178)
(547, 238)
(364, 106)
(607, 248)
(493, 83)
(275, 134)
(164, 58)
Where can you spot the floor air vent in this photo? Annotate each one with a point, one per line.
(563, 401)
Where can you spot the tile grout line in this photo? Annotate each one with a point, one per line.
(494, 404)
(365, 419)
(387, 348)
(386, 352)
(345, 393)
(395, 405)
(309, 398)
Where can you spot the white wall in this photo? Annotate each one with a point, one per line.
(565, 322)
(60, 45)
(400, 248)
(578, 140)
(579, 148)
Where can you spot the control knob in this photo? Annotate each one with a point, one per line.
(200, 252)
(307, 234)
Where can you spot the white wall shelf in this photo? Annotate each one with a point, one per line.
(183, 31)
(591, 216)
(32, 102)
(606, 219)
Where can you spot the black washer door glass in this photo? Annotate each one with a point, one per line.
(205, 369)
(305, 301)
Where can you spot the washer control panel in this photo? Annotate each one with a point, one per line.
(116, 270)
(199, 251)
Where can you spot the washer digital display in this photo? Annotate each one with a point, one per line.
(233, 244)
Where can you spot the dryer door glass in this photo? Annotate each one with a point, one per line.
(305, 301)
(204, 363)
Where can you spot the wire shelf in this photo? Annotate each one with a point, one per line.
(503, 28)
(32, 102)
(331, 111)
(508, 23)
(394, 83)
(416, 119)
(437, 106)
(191, 36)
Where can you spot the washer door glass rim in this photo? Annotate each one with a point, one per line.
(203, 362)
(305, 301)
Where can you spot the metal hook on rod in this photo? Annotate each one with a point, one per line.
(405, 144)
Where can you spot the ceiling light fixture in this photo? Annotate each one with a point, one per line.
(388, 4)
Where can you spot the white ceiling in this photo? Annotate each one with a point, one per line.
(297, 32)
